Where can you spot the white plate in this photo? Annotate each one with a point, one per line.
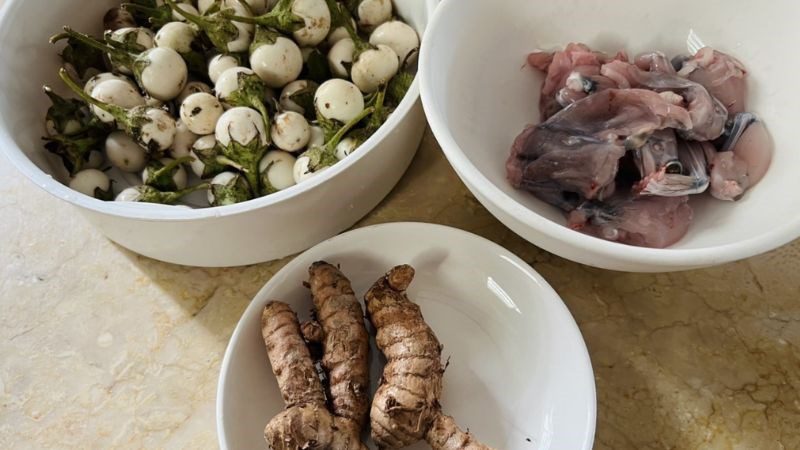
(519, 374)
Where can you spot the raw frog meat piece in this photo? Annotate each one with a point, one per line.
(671, 168)
(575, 154)
(561, 167)
(654, 62)
(723, 75)
(745, 156)
(708, 114)
(624, 143)
(729, 177)
(577, 61)
(655, 222)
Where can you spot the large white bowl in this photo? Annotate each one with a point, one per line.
(479, 95)
(519, 376)
(259, 230)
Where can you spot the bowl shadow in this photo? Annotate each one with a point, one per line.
(228, 291)
(214, 298)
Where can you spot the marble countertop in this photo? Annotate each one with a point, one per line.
(102, 348)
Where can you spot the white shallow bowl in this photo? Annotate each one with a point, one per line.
(259, 230)
(479, 95)
(519, 376)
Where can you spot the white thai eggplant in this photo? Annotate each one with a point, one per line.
(134, 39)
(241, 86)
(152, 128)
(277, 171)
(346, 147)
(118, 93)
(372, 13)
(160, 72)
(228, 188)
(200, 112)
(183, 142)
(193, 87)
(339, 33)
(338, 100)
(93, 183)
(166, 174)
(226, 35)
(373, 65)
(207, 158)
(243, 139)
(124, 153)
(340, 58)
(219, 64)
(309, 21)
(298, 96)
(105, 76)
(178, 36)
(400, 37)
(319, 158)
(276, 59)
(290, 131)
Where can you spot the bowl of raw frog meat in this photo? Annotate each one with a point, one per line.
(621, 135)
(213, 133)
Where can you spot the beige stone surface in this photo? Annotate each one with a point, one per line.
(102, 348)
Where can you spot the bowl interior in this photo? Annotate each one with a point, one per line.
(31, 62)
(519, 375)
(485, 93)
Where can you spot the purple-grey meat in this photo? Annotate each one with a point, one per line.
(708, 114)
(655, 222)
(563, 167)
(623, 144)
(575, 154)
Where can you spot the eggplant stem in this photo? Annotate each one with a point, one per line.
(262, 109)
(342, 17)
(174, 197)
(94, 43)
(119, 113)
(334, 141)
(169, 166)
(229, 162)
(285, 21)
(191, 17)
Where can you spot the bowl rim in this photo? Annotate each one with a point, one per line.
(667, 257)
(424, 228)
(148, 212)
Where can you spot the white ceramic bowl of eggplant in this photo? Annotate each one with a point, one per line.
(259, 230)
(478, 97)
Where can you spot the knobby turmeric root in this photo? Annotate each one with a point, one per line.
(406, 406)
(344, 339)
(307, 423)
